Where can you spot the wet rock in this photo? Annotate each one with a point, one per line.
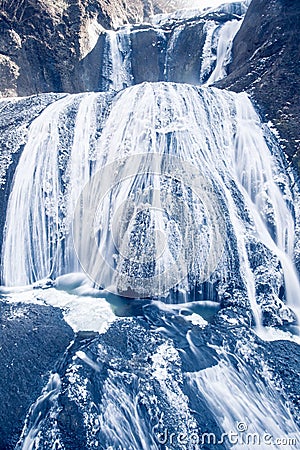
(148, 49)
(125, 385)
(135, 381)
(266, 52)
(185, 53)
(283, 358)
(275, 313)
(32, 339)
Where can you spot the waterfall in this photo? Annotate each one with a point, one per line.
(226, 34)
(137, 53)
(159, 217)
(158, 195)
(56, 159)
(116, 70)
(244, 407)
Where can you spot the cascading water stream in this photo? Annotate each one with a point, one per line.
(45, 193)
(230, 392)
(38, 412)
(30, 187)
(273, 219)
(116, 69)
(227, 33)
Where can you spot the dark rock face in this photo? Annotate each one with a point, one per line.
(43, 46)
(148, 48)
(188, 50)
(90, 68)
(32, 339)
(283, 358)
(43, 42)
(266, 54)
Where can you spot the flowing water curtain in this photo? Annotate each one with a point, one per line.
(56, 163)
(243, 406)
(222, 56)
(151, 225)
(116, 73)
(147, 223)
(272, 214)
(32, 216)
(177, 120)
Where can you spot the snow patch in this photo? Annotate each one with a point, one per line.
(81, 313)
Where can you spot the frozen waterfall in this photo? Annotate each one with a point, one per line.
(171, 186)
(189, 46)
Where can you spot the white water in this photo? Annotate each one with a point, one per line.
(37, 172)
(116, 64)
(265, 200)
(38, 411)
(245, 408)
(168, 137)
(36, 246)
(226, 35)
(216, 54)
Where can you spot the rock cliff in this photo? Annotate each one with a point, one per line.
(266, 55)
(43, 41)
